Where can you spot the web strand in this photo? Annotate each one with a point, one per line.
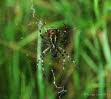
(62, 91)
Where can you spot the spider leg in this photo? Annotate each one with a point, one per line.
(65, 30)
(43, 54)
(41, 34)
(43, 37)
(68, 56)
(62, 56)
(42, 61)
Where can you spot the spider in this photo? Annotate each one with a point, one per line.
(52, 39)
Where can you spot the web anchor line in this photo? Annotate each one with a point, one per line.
(33, 10)
(54, 82)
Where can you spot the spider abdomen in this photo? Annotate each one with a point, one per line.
(54, 54)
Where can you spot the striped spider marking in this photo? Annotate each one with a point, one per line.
(52, 38)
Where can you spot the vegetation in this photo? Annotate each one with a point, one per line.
(89, 26)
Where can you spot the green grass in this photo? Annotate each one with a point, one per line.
(39, 73)
(21, 47)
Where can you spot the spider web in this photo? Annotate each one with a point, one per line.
(60, 87)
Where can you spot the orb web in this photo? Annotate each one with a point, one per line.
(61, 88)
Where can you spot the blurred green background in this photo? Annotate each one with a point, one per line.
(89, 24)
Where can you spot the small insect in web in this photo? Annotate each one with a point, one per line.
(52, 39)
